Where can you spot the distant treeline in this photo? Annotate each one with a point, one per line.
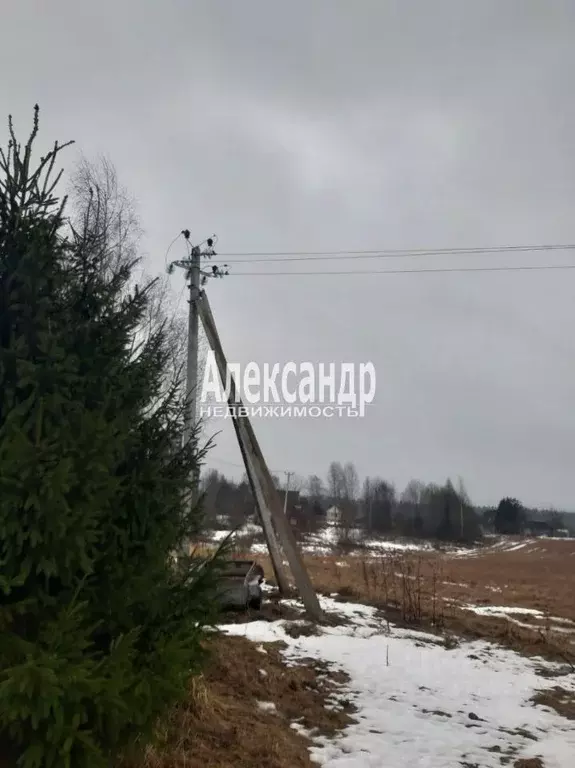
(425, 510)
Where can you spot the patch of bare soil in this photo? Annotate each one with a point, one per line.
(272, 610)
(297, 620)
(559, 699)
(220, 725)
(302, 629)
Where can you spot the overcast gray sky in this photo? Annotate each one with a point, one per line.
(332, 124)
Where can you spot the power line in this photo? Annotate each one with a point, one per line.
(386, 253)
(170, 248)
(520, 268)
(229, 463)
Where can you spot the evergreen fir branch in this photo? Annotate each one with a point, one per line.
(94, 481)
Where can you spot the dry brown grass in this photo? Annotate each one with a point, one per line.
(432, 589)
(541, 575)
(220, 725)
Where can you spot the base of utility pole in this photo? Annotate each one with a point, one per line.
(263, 511)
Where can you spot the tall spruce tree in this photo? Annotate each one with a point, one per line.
(98, 632)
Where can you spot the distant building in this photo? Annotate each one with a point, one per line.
(301, 512)
(293, 506)
(562, 533)
(333, 515)
(538, 528)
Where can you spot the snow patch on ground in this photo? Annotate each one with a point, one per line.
(324, 541)
(420, 704)
(516, 547)
(508, 612)
(330, 535)
(498, 610)
(398, 546)
(249, 529)
(503, 545)
(259, 549)
(218, 535)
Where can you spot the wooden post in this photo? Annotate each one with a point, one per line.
(256, 458)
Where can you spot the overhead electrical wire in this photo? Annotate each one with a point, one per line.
(270, 257)
(424, 270)
(242, 466)
(170, 248)
(385, 253)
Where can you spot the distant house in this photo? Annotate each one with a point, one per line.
(301, 512)
(538, 528)
(546, 528)
(562, 533)
(333, 515)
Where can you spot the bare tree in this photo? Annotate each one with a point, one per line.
(296, 483)
(103, 210)
(378, 502)
(367, 502)
(315, 489)
(462, 491)
(335, 482)
(343, 486)
(438, 511)
(409, 508)
(350, 481)
(413, 492)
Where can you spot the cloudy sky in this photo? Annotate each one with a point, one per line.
(339, 125)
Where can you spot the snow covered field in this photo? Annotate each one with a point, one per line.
(325, 541)
(422, 704)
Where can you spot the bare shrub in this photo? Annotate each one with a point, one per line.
(406, 583)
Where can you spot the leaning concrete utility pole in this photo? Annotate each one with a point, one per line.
(246, 435)
(254, 478)
(255, 483)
